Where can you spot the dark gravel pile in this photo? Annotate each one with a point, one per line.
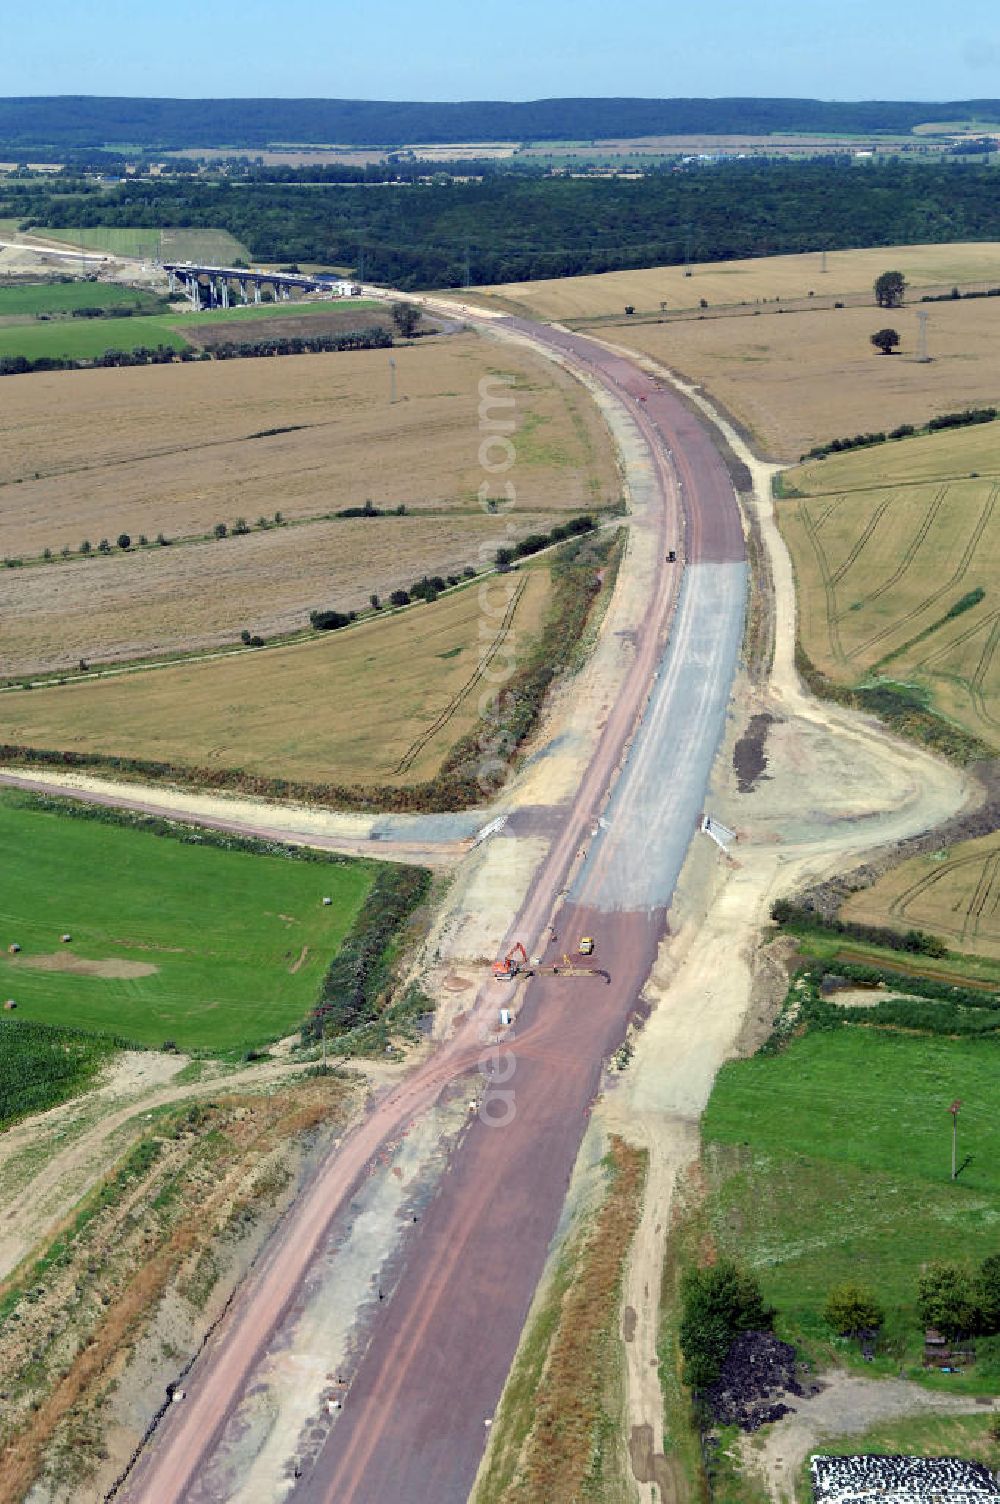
(757, 1372)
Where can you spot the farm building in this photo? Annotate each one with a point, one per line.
(901, 1480)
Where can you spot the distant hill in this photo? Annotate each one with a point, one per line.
(72, 122)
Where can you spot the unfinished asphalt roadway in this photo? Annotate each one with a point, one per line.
(413, 1426)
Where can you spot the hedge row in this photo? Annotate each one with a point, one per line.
(358, 984)
(374, 338)
(966, 417)
(796, 917)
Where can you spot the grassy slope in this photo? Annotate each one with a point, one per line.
(216, 247)
(832, 1161)
(222, 928)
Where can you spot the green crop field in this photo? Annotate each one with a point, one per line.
(213, 949)
(22, 299)
(85, 339)
(114, 239)
(896, 550)
(831, 1161)
(40, 1066)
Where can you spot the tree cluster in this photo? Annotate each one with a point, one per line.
(719, 1303)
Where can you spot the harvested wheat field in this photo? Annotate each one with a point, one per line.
(954, 893)
(158, 601)
(929, 267)
(797, 379)
(178, 448)
(896, 581)
(351, 707)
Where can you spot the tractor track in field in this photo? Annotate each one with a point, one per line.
(954, 579)
(445, 715)
(909, 553)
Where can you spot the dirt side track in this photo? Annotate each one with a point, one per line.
(413, 1425)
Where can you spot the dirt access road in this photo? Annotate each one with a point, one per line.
(413, 1427)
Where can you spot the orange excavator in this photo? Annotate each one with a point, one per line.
(511, 967)
(515, 963)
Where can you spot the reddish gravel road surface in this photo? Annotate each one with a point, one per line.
(412, 1427)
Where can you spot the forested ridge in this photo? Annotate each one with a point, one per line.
(508, 227)
(87, 121)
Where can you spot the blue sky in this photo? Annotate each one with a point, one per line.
(517, 49)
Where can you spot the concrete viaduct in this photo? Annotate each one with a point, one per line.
(195, 280)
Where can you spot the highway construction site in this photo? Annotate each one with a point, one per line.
(618, 899)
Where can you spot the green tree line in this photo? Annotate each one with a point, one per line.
(512, 227)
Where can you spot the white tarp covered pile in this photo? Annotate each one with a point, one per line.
(902, 1480)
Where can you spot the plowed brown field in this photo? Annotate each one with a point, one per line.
(178, 448)
(202, 596)
(798, 379)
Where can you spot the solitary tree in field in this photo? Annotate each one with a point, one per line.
(406, 317)
(124, 541)
(852, 1308)
(885, 340)
(889, 289)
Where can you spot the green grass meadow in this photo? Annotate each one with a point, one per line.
(832, 1161)
(26, 299)
(85, 339)
(240, 942)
